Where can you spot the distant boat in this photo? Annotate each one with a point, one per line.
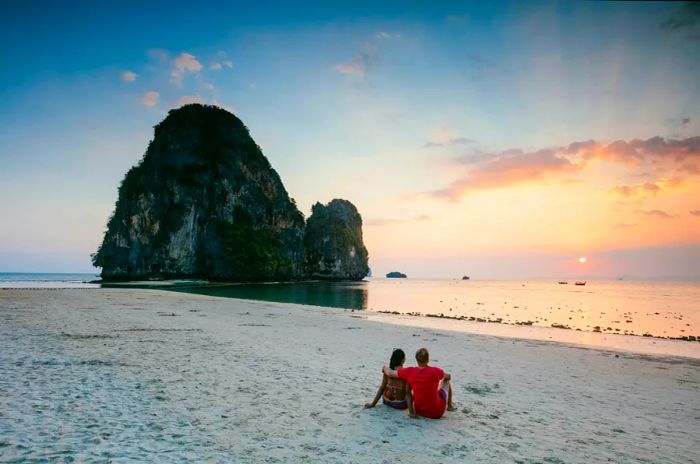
(563, 282)
(396, 275)
(465, 277)
(583, 282)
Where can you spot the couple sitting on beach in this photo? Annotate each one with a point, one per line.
(424, 390)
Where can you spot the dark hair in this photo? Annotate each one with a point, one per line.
(397, 356)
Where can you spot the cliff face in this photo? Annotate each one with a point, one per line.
(203, 202)
(333, 242)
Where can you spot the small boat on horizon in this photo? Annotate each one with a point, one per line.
(563, 282)
(465, 277)
(581, 282)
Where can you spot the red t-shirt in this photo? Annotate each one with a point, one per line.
(424, 382)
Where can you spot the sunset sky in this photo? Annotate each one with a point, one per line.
(501, 140)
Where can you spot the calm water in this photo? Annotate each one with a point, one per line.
(661, 309)
(46, 280)
(352, 295)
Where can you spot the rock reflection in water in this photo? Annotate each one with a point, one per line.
(348, 295)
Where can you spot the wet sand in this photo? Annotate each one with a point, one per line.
(126, 374)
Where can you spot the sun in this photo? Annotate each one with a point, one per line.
(582, 259)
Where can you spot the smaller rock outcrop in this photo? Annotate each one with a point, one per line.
(396, 275)
(333, 242)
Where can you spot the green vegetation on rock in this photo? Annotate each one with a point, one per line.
(250, 254)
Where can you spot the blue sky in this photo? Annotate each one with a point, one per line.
(376, 102)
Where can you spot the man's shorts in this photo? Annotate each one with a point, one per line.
(443, 395)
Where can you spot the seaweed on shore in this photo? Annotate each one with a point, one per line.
(498, 320)
(87, 336)
(158, 330)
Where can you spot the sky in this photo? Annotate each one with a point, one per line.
(494, 139)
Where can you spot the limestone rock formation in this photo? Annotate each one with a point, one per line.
(204, 202)
(333, 242)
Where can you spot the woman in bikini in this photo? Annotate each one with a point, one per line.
(393, 391)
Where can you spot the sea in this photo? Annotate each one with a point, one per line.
(642, 308)
(47, 280)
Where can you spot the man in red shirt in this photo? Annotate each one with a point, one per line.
(430, 387)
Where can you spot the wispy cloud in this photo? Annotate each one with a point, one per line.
(446, 137)
(637, 189)
(380, 222)
(362, 64)
(383, 35)
(129, 76)
(349, 68)
(150, 98)
(228, 63)
(449, 142)
(656, 213)
(158, 55)
(623, 225)
(187, 99)
(216, 66)
(183, 63)
(677, 126)
(695, 212)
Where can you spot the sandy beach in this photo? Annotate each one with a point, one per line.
(116, 375)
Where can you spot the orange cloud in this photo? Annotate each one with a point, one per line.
(184, 62)
(632, 190)
(647, 188)
(656, 213)
(636, 152)
(511, 167)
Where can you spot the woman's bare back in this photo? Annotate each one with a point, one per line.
(395, 389)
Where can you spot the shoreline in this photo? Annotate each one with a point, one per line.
(603, 309)
(606, 341)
